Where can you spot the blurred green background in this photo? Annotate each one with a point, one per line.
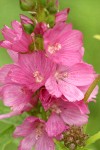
(85, 16)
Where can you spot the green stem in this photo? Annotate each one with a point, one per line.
(91, 88)
(93, 139)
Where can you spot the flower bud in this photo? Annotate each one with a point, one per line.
(27, 5)
(52, 7)
(27, 24)
(75, 137)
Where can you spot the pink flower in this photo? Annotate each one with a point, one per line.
(63, 45)
(18, 97)
(62, 15)
(16, 39)
(66, 81)
(33, 131)
(65, 113)
(32, 70)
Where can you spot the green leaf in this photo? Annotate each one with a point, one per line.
(93, 139)
(6, 137)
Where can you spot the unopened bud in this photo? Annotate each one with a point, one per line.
(27, 5)
(52, 8)
(75, 137)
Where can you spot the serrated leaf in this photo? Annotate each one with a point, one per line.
(93, 139)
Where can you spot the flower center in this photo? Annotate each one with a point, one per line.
(38, 77)
(54, 48)
(56, 109)
(39, 130)
(61, 75)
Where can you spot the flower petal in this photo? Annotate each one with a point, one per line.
(73, 116)
(44, 143)
(55, 125)
(81, 74)
(72, 93)
(52, 87)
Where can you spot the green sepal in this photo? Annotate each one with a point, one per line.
(28, 28)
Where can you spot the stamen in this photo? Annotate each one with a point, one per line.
(56, 109)
(38, 77)
(54, 48)
(61, 75)
(39, 130)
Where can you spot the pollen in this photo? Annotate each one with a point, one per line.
(61, 75)
(38, 77)
(54, 48)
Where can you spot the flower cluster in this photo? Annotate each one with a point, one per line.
(48, 73)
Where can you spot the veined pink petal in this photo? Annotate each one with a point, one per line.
(55, 125)
(81, 74)
(45, 143)
(28, 142)
(16, 39)
(62, 15)
(17, 27)
(26, 127)
(52, 87)
(4, 71)
(68, 58)
(82, 106)
(25, 20)
(73, 116)
(13, 55)
(17, 97)
(71, 92)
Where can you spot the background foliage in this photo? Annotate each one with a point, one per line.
(85, 16)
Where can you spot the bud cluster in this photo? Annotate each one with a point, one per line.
(74, 137)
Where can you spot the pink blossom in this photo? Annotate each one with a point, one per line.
(62, 15)
(18, 97)
(32, 70)
(66, 81)
(33, 131)
(65, 113)
(16, 39)
(63, 45)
